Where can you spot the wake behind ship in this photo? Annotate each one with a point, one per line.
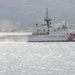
(47, 33)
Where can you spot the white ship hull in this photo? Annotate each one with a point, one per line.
(43, 38)
(49, 38)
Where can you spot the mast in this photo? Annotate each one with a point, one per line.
(47, 19)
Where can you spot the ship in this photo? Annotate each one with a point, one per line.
(48, 33)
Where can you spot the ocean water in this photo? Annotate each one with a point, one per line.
(44, 58)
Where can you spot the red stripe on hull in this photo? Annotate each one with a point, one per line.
(71, 37)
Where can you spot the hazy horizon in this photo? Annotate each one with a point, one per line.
(27, 12)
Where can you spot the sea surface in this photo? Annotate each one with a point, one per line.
(44, 58)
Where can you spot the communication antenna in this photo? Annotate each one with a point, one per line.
(47, 19)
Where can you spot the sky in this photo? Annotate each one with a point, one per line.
(28, 12)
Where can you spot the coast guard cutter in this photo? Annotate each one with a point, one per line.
(47, 32)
